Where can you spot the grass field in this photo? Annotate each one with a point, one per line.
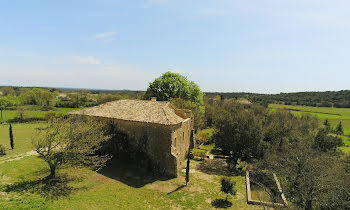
(334, 116)
(22, 187)
(22, 134)
(22, 184)
(10, 114)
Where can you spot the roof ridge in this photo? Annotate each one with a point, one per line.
(135, 110)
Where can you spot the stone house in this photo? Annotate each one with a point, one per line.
(168, 130)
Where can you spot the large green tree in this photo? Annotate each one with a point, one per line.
(172, 85)
(238, 133)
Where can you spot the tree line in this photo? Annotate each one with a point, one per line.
(49, 98)
(339, 99)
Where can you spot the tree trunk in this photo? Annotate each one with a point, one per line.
(232, 162)
(226, 197)
(1, 113)
(52, 170)
(308, 205)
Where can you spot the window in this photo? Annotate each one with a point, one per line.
(175, 142)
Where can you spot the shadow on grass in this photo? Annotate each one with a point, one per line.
(179, 188)
(221, 203)
(215, 167)
(129, 174)
(49, 188)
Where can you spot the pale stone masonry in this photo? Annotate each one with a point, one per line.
(168, 130)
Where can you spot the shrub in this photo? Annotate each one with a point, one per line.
(228, 186)
(2, 150)
(204, 136)
(20, 120)
(201, 154)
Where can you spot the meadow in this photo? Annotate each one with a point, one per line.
(23, 183)
(22, 186)
(32, 112)
(333, 115)
(22, 134)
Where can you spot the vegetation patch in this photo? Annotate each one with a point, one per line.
(263, 189)
(2, 150)
(199, 154)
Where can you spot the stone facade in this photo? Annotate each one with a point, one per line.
(166, 145)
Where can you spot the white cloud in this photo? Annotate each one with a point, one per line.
(86, 60)
(104, 35)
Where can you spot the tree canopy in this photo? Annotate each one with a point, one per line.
(238, 134)
(172, 85)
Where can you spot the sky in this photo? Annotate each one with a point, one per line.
(268, 46)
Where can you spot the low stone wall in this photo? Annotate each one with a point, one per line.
(263, 203)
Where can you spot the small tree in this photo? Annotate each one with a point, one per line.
(3, 105)
(228, 187)
(11, 137)
(188, 165)
(339, 129)
(21, 112)
(73, 141)
(326, 142)
(327, 124)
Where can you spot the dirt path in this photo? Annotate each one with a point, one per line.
(18, 157)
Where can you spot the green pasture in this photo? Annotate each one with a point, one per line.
(10, 114)
(22, 134)
(22, 186)
(345, 150)
(334, 115)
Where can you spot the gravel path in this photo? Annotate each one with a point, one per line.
(18, 157)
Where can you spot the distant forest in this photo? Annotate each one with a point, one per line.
(339, 99)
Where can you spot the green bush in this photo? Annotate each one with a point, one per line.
(204, 136)
(2, 150)
(201, 154)
(20, 120)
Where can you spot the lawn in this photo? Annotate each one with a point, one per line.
(10, 114)
(22, 134)
(345, 150)
(22, 187)
(334, 115)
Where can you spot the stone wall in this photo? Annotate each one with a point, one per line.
(166, 145)
(181, 137)
(158, 145)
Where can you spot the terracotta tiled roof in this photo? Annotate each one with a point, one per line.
(134, 110)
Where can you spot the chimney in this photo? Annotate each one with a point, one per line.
(153, 99)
